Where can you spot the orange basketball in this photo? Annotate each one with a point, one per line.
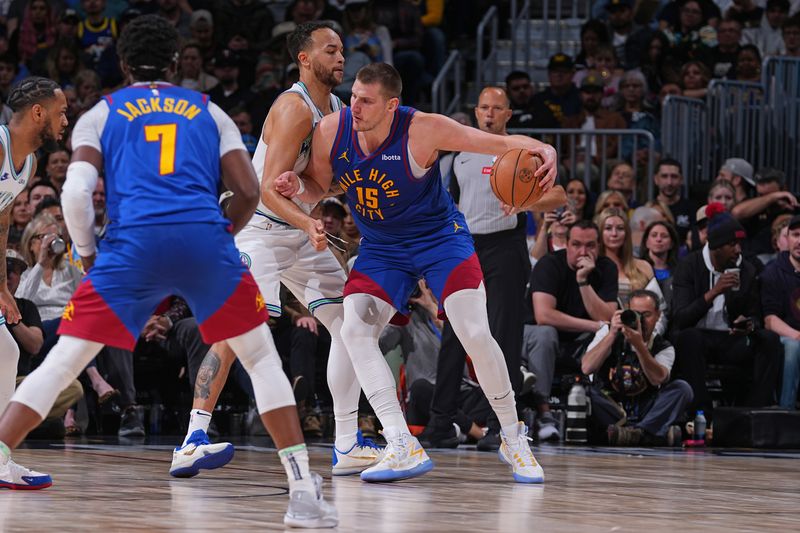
(512, 178)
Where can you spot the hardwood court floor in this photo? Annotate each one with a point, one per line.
(104, 487)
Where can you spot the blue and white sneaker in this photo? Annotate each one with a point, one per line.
(17, 477)
(516, 452)
(362, 455)
(199, 454)
(403, 458)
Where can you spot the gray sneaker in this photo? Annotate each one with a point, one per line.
(310, 510)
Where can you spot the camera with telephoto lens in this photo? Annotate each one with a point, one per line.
(58, 246)
(630, 318)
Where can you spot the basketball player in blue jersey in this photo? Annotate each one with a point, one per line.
(385, 157)
(282, 244)
(161, 148)
(39, 118)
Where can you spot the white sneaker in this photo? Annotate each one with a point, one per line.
(528, 380)
(516, 452)
(403, 458)
(309, 509)
(17, 477)
(198, 453)
(363, 454)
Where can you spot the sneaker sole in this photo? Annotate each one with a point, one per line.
(208, 462)
(14, 486)
(519, 478)
(351, 470)
(397, 475)
(316, 523)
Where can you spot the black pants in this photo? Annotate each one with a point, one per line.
(504, 260)
(759, 354)
(472, 406)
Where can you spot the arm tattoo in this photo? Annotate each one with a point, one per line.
(208, 371)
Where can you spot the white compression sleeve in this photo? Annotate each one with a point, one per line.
(466, 311)
(9, 357)
(258, 355)
(76, 202)
(65, 361)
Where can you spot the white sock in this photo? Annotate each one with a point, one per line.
(466, 311)
(342, 380)
(365, 318)
(510, 431)
(295, 462)
(198, 419)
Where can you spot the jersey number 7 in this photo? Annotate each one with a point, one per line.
(164, 134)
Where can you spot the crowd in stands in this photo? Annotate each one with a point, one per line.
(713, 279)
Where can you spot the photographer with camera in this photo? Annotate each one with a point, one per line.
(717, 318)
(632, 401)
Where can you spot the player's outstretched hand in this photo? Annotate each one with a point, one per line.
(547, 173)
(316, 234)
(8, 306)
(288, 184)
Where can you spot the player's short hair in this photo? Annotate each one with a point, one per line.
(148, 46)
(383, 74)
(31, 90)
(300, 39)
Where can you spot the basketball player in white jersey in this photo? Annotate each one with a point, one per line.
(40, 117)
(283, 244)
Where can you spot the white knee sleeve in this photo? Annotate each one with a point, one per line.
(256, 350)
(9, 358)
(365, 317)
(62, 365)
(466, 311)
(342, 380)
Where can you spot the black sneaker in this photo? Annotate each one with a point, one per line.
(436, 437)
(490, 442)
(130, 424)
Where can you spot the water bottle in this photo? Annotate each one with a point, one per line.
(700, 426)
(577, 410)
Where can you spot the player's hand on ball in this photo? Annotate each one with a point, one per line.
(548, 171)
(316, 234)
(288, 184)
(509, 210)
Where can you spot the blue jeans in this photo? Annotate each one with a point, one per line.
(791, 372)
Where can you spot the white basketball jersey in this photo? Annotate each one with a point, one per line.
(263, 215)
(11, 183)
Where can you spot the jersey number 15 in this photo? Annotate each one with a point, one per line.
(164, 134)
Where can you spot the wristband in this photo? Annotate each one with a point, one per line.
(302, 188)
(583, 283)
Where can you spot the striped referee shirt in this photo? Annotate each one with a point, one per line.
(471, 190)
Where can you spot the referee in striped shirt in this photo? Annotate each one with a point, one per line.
(503, 254)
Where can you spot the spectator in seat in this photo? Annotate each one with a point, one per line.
(29, 338)
(722, 192)
(780, 295)
(717, 318)
(767, 37)
(574, 294)
(39, 192)
(720, 58)
(632, 273)
(695, 77)
(791, 36)
(740, 174)
(525, 111)
(55, 168)
(660, 248)
(20, 217)
(623, 180)
(593, 33)
(638, 114)
(593, 117)
(747, 66)
(669, 180)
(757, 214)
(747, 12)
(404, 21)
(633, 400)
(190, 72)
(561, 96)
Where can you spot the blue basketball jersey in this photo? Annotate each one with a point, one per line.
(388, 203)
(161, 152)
